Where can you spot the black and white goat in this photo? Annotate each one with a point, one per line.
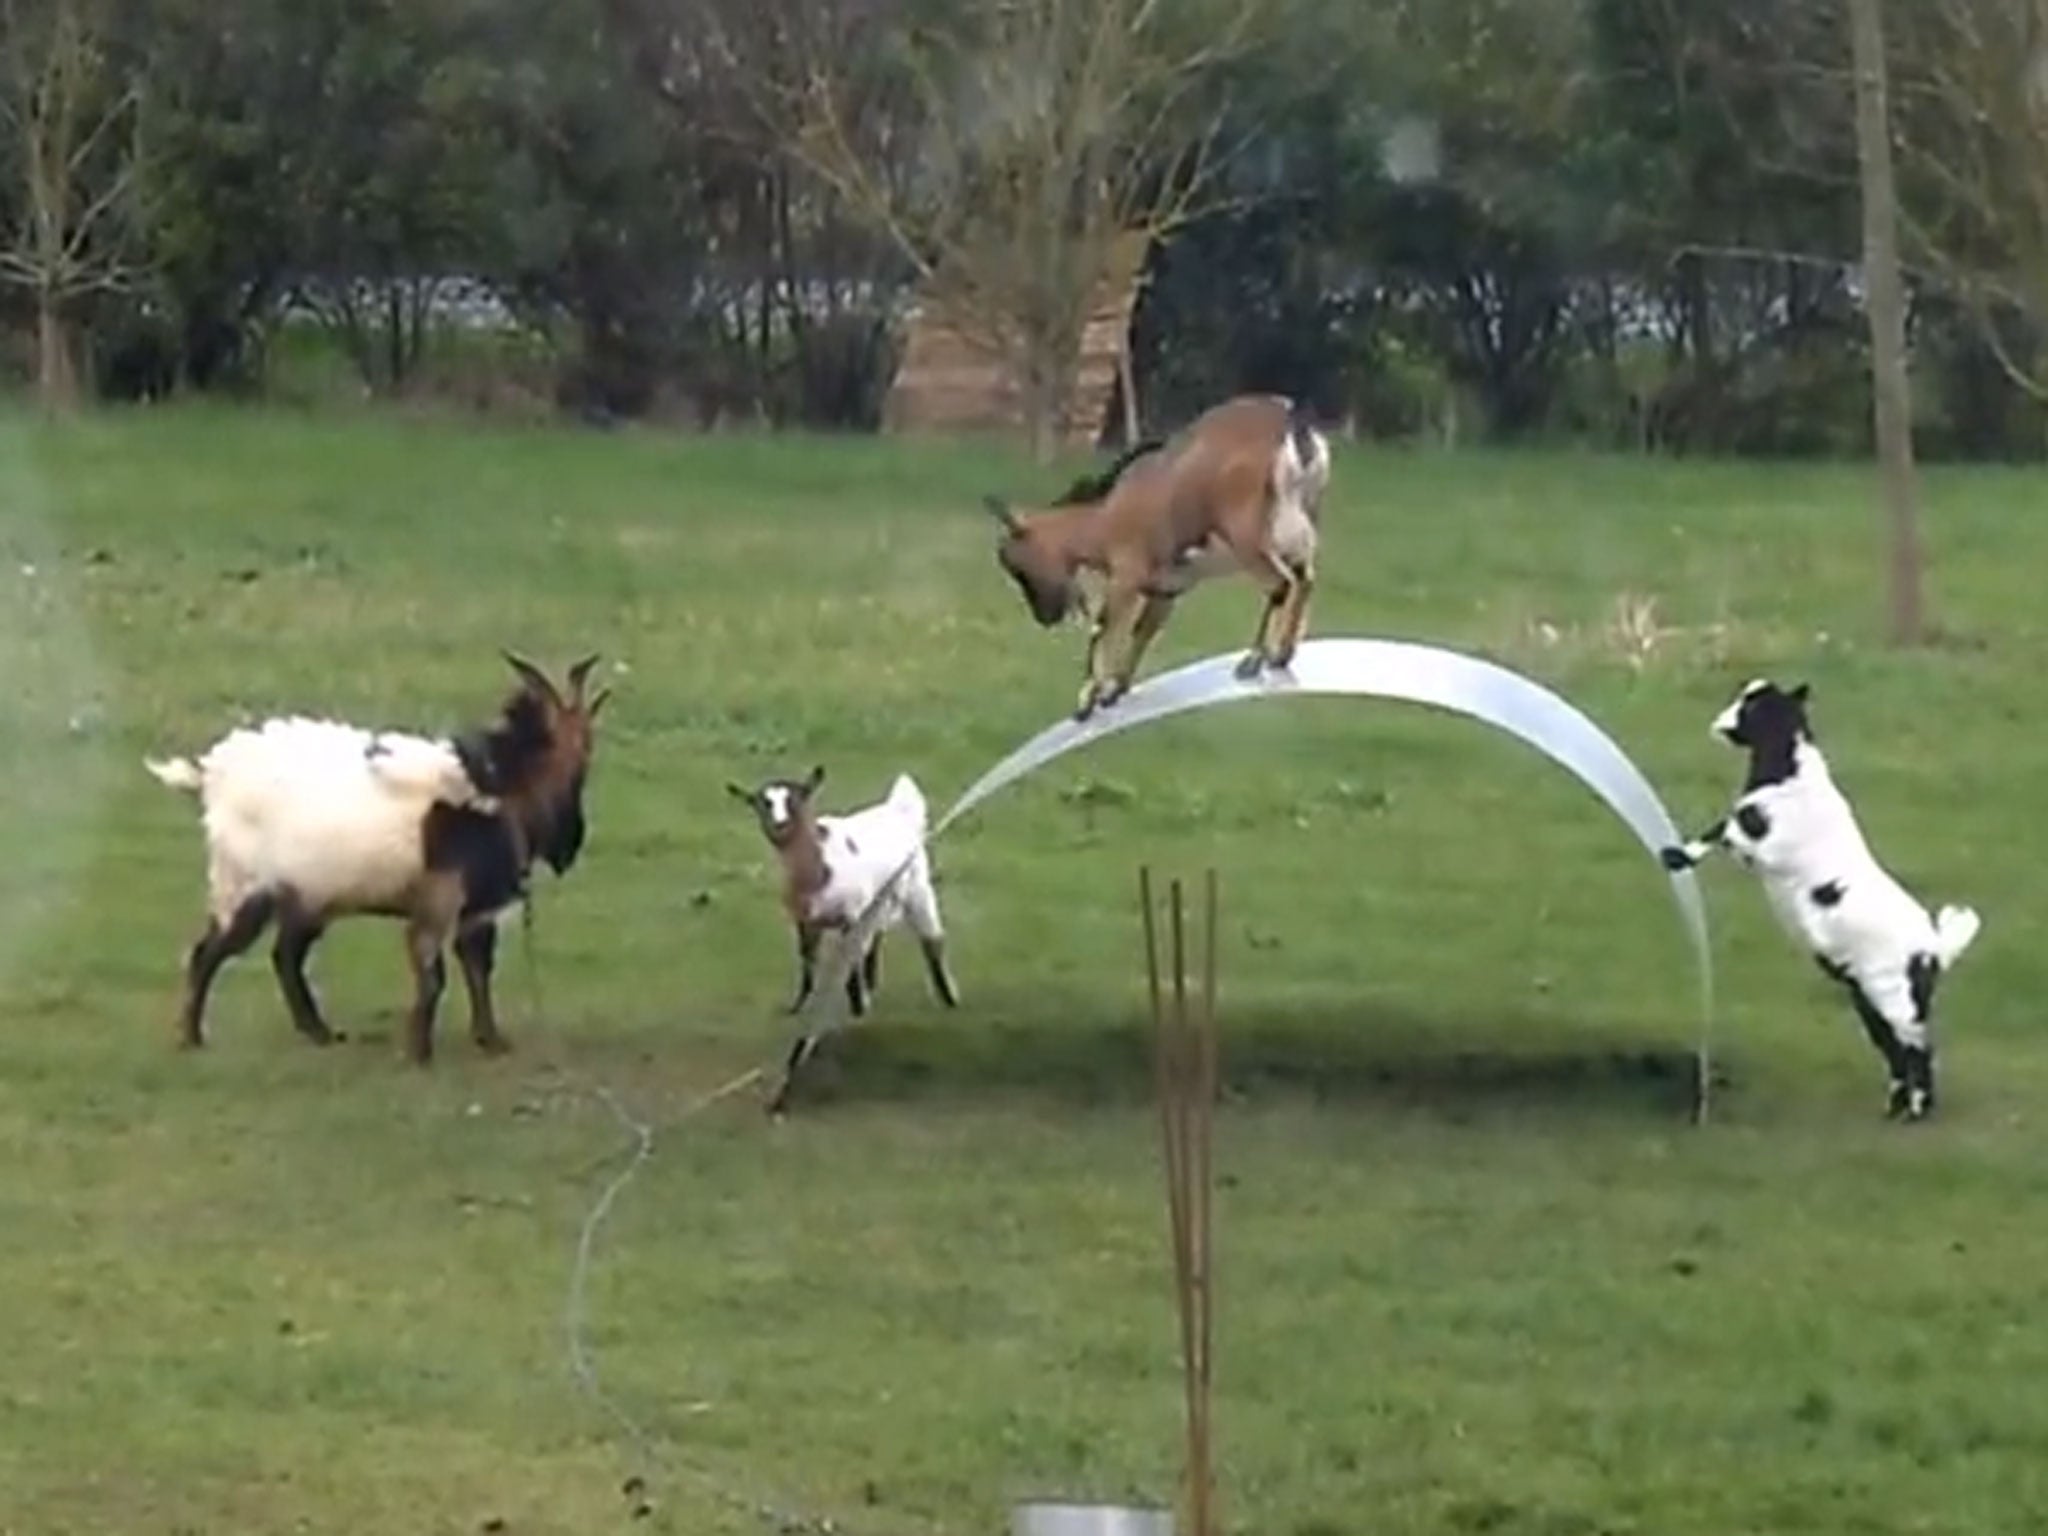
(310, 820)
(1794, 828)
(833, 869)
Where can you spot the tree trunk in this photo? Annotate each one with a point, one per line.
(56, 377)
(1885, 307)
(1042, 399)
(1127, 391)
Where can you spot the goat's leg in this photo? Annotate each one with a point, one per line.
(936, 968)
(296, 935)
(1151, 619)
(1901, 1001)
(1887, 1045)
(1295, 623)
(921, 911)
(800, 1051)
(1119, 608)
(807, 936)
(424, 939)
(856, 989)
(476, 948)
(1678, 858)
(1279, 582)
(220, 943)
(871, 966)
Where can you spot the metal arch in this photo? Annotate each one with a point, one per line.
(1364, 668)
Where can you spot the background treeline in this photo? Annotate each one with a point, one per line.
(1627, 222)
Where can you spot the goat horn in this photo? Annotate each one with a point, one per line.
(533, 677)
(1000, 511)
(580, 673)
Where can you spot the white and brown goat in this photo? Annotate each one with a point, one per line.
(834, 868)
(1238, 489)
(311, 820)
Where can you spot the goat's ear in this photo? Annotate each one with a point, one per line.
(590, 710)
(999, 509)
(816, 778)
(580, 674)
(1798, 693)
(534, 678)
(738, 793)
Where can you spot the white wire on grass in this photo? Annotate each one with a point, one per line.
(1359, 667)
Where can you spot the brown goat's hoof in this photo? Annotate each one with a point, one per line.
(494, 1045)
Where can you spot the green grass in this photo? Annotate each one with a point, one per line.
(1477, 1274)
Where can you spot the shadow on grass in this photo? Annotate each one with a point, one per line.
(1364, 1053)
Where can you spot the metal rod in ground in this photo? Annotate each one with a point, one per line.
(1205, 1113)
(1169, 1030)
(1185, 1069)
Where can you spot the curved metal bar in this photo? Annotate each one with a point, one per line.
(1386, 669)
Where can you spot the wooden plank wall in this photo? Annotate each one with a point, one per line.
(951, 381)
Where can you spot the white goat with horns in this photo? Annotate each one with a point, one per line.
(310, 820)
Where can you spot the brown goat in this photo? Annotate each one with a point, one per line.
(311, 820)
(1239, 488)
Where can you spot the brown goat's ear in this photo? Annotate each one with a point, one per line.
(1000, 510)
(811, 784)
(579, 674)
(534, 678)
(737, 793)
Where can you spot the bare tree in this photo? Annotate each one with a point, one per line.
(1007, 148)
(72, 125)
(1973, 133)
(1885, 307)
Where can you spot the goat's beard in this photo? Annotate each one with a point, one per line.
(561, 837)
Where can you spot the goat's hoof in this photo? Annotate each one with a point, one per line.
(1673, 858)
(494, 1045)
(190, 1042)
(1249, 668)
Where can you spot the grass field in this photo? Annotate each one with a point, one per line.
(1476, 1272)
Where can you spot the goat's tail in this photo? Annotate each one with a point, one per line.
(909, 800)
(177, 772)
(1954, 930)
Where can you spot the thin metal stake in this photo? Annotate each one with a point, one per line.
(1185, 1063)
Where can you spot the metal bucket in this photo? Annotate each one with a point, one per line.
(1049, 1519)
